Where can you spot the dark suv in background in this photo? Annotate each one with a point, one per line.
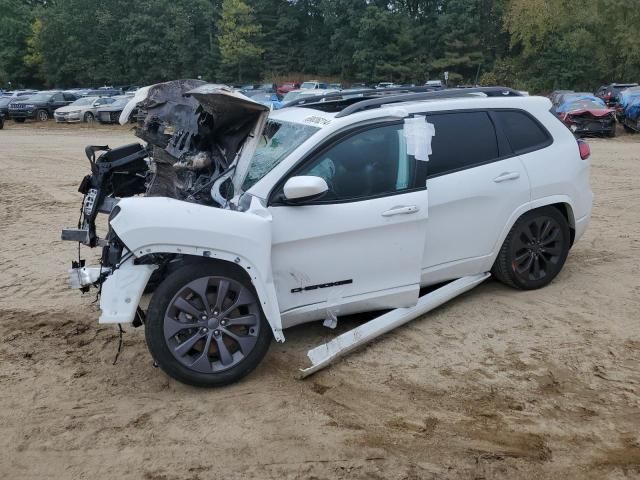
(9, 97)
(39, 106)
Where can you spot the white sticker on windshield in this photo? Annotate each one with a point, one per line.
(418, 134)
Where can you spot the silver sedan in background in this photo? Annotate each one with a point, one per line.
(82, 110)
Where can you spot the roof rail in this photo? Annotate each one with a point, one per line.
(408, 97)
(364, 92)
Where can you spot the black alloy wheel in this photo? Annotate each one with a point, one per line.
(535, 249)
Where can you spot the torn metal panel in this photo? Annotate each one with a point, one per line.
(198, 129)
(325, 354)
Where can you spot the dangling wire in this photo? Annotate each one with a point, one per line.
(120, 331)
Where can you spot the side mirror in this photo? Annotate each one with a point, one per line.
(304, 188)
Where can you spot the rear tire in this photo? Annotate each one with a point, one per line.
(206, 344)
(88, 117)
(534, 251)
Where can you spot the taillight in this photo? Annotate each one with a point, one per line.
(585, 150)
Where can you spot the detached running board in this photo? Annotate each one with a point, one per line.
(325, 354)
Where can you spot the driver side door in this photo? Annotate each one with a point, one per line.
(360, 246)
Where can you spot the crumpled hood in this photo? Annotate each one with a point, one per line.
(193, 126)
(600, 112)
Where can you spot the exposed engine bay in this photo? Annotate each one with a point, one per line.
(194, 134)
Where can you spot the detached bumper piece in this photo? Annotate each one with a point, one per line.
(325, 354)
(83, 277)
(121, 292)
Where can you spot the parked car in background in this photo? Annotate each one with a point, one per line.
(82, 110)
(611, 93)
(556, 97)
(588, 117)
(267, 87)
(268, 99)
(8, 97)
(436, 84)
(631, 120)
(39, 106)
(564, 99)
(286, 87)
(111, 113)
(335, 86)
(313, 84)
(385, 85)
(103, 92)
(625, 98)
(296, 94)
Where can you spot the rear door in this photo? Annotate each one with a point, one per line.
(362, 243)
(475, 184)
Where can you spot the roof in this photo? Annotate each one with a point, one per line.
(312, 116)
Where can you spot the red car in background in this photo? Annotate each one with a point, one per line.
(588, 117)
(609, 93)
(286, 87)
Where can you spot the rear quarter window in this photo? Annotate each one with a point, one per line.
(523, 132)
(462, 140)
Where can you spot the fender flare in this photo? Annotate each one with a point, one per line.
(538, 203)
(264, 288)
(148, 225)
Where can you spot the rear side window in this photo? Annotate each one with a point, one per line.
(522, 131)
(462, 140)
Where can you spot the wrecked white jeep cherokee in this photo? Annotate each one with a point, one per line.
(246, 222)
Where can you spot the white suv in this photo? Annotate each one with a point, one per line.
(328, 210)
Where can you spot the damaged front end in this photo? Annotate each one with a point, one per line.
(196, 137)
(591, 123)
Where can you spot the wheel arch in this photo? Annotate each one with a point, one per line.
(562, 203)
(160, 225)
(243, 266)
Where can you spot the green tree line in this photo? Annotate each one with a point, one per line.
(529, 44)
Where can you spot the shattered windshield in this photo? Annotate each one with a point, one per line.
(279, 139)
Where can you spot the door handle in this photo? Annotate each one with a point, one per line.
(503, 177)
(402, 210)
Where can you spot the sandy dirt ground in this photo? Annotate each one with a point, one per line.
(496, 384)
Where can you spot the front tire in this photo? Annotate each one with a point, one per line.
(205, 326)
(88, 117)
(534, 251)
(42, 115)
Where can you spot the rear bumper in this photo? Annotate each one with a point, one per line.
(109, 117)
(581, 226)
